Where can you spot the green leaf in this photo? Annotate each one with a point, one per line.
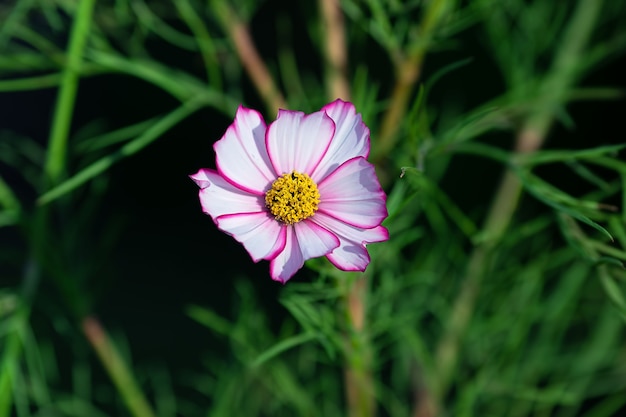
(610, 261)
(556, 199)
(578, 216)
(101, 165)
(282, 346)
(8, 200)
(587, 174)
(116, 136)
(613, 290)
(445, 71)
(481, 149)
(551, 156)
(209, 319)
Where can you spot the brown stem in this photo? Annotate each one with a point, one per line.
(407, 75)
(408, 72)
(250, 59)
(335, 49)
(358, 377)
(424, 402)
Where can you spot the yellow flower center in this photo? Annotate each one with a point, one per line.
(292, 198)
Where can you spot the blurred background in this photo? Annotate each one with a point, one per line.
(115, 234)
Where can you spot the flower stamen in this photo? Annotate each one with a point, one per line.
(292, 198)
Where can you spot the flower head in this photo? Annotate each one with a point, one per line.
(297, 189)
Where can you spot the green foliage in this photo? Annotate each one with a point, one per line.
(514, 305)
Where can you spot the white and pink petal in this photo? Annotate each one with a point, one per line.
(353, 194)
(351, 138)
(304, 240)
(219, 197)
(241, 156)
(261, 235)
(351, 255)
(297, 142)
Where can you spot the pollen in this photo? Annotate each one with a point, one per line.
(292, 198)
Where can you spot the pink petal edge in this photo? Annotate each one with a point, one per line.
(261, 235)
(351, 138)
(305, 240)
(219, 197)
(241, 156)
(353, 194)
(352, 254)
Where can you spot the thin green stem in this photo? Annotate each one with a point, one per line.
(8, 201)
(12, 351)
(18, 11)
(116, 368)
(41, 43)
(57, 150)
(21, 61)
(13, 347)
(179, 85)
(130, 148)
(205, 43)
(42, 81)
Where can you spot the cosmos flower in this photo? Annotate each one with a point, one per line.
(297, 189)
